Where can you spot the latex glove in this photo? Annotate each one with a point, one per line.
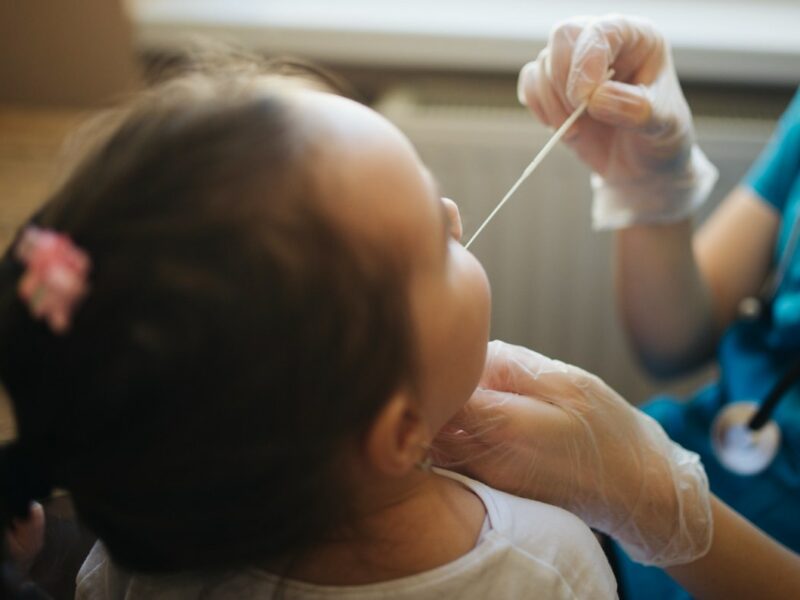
(546, 430)
(638, 136)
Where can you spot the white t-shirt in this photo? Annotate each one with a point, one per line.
(527, 550)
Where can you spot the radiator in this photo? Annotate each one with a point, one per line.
(551, 275)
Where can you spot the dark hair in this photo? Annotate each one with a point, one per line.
(233, 342)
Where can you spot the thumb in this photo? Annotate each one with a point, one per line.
(621, 105)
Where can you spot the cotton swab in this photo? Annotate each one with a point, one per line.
(548, 147)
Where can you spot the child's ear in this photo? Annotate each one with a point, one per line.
(398, 438)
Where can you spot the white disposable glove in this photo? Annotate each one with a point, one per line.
(546, 430)
(638, 136)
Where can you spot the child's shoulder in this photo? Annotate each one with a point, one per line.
(521, 517)
(526, 545)
(549, 536)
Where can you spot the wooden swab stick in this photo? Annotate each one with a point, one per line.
(551, 143)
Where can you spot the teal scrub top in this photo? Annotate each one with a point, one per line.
(775, 177)
(752, 356)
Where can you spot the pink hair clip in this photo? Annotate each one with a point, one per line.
(55, 279)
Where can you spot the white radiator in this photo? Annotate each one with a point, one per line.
(551, 275)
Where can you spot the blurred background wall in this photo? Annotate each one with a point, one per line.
(64, 53)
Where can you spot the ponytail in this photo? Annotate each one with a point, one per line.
(22, 480)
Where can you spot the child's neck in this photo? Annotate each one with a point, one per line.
(409, 526)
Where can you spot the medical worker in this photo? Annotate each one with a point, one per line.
(681, 291)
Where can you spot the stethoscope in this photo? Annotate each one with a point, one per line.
(744, 437)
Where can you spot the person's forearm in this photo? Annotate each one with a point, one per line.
(665, 305)
(743, 562)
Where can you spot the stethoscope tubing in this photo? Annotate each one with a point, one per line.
(744, 437)
(790, 377)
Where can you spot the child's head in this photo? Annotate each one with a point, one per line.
(276, 313)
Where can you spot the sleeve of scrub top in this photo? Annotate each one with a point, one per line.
(777, 171)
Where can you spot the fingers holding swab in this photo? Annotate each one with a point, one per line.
(548, 147)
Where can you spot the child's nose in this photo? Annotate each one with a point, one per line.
(455, 218)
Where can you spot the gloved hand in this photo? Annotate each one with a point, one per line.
(546, 430)
(638, 136)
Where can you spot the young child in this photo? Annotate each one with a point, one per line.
(233, 334)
